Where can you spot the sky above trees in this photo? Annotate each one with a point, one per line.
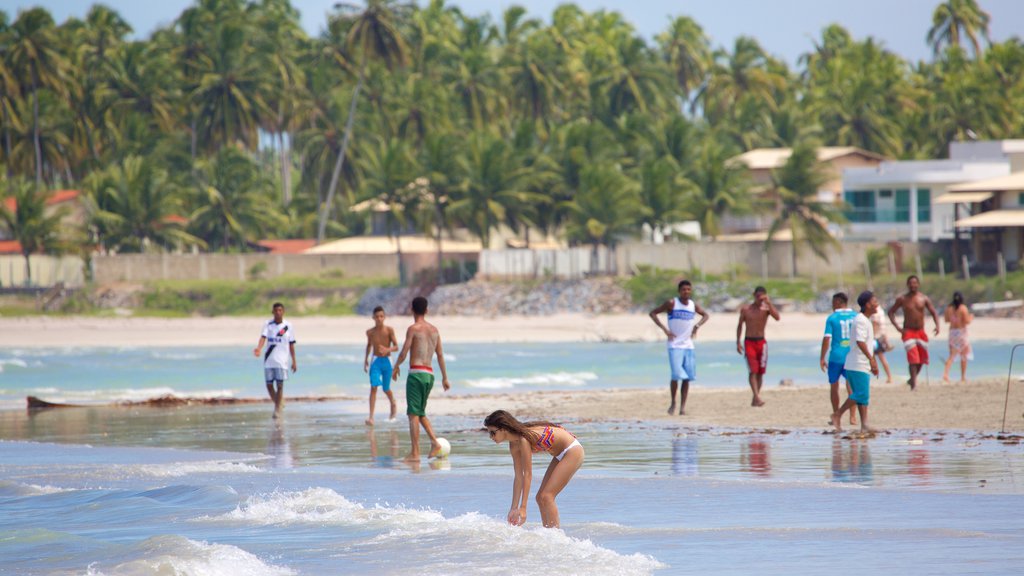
(784, 28)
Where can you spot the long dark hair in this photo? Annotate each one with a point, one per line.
(958, 300)
(502, 420)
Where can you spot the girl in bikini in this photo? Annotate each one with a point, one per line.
(525, 438)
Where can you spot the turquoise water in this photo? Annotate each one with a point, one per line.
(226, 490)
(99, 375)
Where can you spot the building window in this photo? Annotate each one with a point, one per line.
(924, 205)
(861, 205)
(1020, 198)
(902, 213)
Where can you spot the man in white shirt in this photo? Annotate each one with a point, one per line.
(860, 363)
(280, 337)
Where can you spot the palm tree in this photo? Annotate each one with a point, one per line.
(133, 205)
(386, 170)
(955, 19)
(800, 209)
(28, 222)
(493, 184)
(720, 187)
(374, 33)
(606, 207)
(686, 50)
(35, 57)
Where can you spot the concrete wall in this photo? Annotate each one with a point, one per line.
(146, 267)
(709, 257)
(46, 270)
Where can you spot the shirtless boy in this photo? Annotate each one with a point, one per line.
(753, 346)
(422, 341)
(381, 340)
(915, 339)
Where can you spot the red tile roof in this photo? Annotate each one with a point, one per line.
(56, 197)
(295, 246)
(10, 247)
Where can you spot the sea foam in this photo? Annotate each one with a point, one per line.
(179, 555)
(539, 380)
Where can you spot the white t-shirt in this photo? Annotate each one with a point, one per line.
(862, 332)
(279, 336)
(680, 323)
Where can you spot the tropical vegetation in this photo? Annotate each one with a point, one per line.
(232, 124)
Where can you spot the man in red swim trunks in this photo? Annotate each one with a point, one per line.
(753, 346)
(915, 339)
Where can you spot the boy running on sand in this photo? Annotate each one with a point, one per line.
(681, 330)
(915, 339)
(422, 341)
(755, 316)
(381, 340)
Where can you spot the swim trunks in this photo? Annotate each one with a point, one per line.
(835, 370)
(860, 386)
(417, 390)
(380, 372)
(916, 344)
(275, 374)
(757, 354)
(683, 363)
(959, 344)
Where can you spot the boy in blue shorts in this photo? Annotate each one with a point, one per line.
(381, 340)
(835, 345)
(860, 363)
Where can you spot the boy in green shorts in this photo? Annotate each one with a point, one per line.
(422, 341)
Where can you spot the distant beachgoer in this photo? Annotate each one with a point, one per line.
(382, 342)
(860, 363)
(753, 346)
(276, 333)
(915, 339)
(681, 330)
(882, 345)
(525, 438)
(422, 341)
(958, 316)
(834, 347)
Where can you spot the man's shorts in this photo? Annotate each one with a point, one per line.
(916, 344)
(860, 386)
(272, 374)
(835, 370)
(417, 390)
(757, 354)
(683, 363)
(380, 372)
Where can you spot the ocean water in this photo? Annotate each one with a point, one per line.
(103, 375)
(226, 490)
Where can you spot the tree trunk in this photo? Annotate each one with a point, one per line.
(28, 269)
(35, 129)
(286, 171)
(7, 143)
(792, 245)
(336, 174)
(440, 253)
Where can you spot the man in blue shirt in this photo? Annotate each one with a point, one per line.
(835, 345)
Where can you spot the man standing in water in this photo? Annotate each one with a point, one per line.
(422, 341)
(276, 334)
(753, 346)
(915, 339)
(382, 342)
(681, 331)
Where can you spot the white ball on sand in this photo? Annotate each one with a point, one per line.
(446, 448)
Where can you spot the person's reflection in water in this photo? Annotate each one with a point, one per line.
(755, 457)
(919, 466)
(278, 447)
(851, 461)
(385, 460)
(684, 456)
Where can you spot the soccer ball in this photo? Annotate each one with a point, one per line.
(446, 448)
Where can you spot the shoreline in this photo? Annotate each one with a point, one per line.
(65, 332)
(939, 408)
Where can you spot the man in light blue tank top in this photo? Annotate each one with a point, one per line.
(681, 330)
(835, 345)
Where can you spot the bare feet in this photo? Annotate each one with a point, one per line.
(889, 381)
(410, 457)
(853, 419)
(681, 411)
(369, 421)
(394, 411)
(671, 408)
(945, 379)
(435, 450)
(757, 402)
(837, 422)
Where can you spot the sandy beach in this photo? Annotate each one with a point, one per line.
(63, 332)
(977, 405)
